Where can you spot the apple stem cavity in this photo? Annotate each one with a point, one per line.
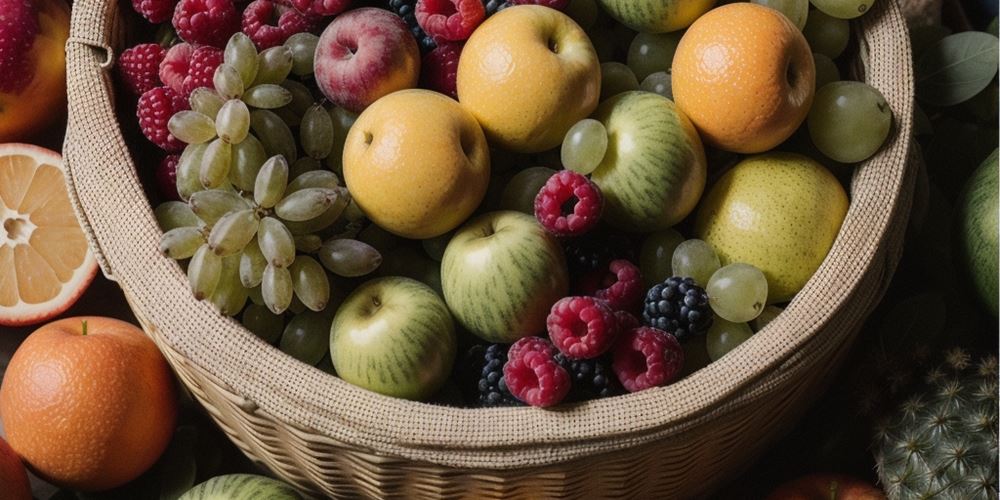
(84, 328)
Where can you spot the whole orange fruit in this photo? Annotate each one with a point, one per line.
(13, 477)
(89, 403)
(744, 74)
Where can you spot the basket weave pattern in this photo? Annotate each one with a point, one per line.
(329, 437)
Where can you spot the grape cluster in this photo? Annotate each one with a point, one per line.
(256, 212)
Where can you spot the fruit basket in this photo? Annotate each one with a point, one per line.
(329, 437)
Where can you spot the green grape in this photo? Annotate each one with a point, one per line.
(272, 179)
(267, 96)
(215, 164)
(310, 283)
(191, 127)
(302, 166)
(659, 83)
(276, 287)
(306, 204)
(724, 336)
(302, 98)
(296, 307)
(188, 170)
(175, 214)
(229, 296)
(307, 337)
(584, 146)
(256, 296)
(308, 243)
(353, 212)
(316, 132)
(656, 254)
(795, 10)
(325, 219)
(653, 52)
(241, 53)
(273, 65)
(205, 101)
(843, 9)
(379, 239)
(584, 12)
(737, 292)
(521, 190)
(826, 70)
(274, 134)
(233, 122)
(211, 205)
(849, 121)
(342, 122)
(203, 272)
(314, 179)
(252, 264)
(616, 78)
(434, 247)
(695, 259)
(349, 258)
(248, 157)
(228, 82)
(276, 242)
(263, 323)
(303, 47)
(826, 35)
(233, 232)
(182, 242)
(766, 316)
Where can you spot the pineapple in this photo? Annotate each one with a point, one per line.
(942, 442)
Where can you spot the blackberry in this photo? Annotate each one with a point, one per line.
(494, 6)
(595, 252)
(592, 378)
(678, 306)
(406, 9)
(481, 376)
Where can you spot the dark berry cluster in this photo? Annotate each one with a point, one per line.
(678, 306)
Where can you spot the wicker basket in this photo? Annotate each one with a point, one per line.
(329, 437)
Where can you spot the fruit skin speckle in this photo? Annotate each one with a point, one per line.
(18, 28)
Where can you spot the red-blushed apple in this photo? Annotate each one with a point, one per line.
(826, 487)
(365, 54)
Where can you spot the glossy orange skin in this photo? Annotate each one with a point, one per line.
(13, 476)
(88, 412)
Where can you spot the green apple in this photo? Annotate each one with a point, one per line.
(656, 16)
(978, 231)
(241, 487)
(394, 336)
(654, 170)
(501, 274)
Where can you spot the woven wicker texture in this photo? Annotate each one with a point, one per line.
(329, 437)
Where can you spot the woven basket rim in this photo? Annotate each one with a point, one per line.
(575, 423)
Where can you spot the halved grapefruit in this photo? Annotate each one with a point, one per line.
(45, 263)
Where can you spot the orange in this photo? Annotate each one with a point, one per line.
(744, 74)
(89, 403)
(45, 263)
(13, 477)
(43, 99)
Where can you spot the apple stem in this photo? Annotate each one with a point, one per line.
(84, 328)
(833, 490)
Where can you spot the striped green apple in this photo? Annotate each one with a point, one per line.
(394, 336)
(656, 16)
(501, 273)
(653, 172)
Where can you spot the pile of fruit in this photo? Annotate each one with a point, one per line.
(488, 203)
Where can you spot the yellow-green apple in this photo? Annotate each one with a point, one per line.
(394, 336)
(501, 273)
(656, 16)
(528, 74)
(363, 55)
(417, 164)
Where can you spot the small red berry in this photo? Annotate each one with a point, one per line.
(582, 327)
(155, 11)
(154, 110)
(139, 67)
(569, 204)
(530, 344)
(269, 25)
(627, 321)
(318, 7)
(201, 69)
(439, 69)
(620, 285)
(647, 357)
(206, 22)
(535, 377)
(450, 20)
(166, 177)
(175, 66)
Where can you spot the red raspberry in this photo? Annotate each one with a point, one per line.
(318, 7)
(534, 376)
(139, 67)
(175, 66)
(647, 357)
(530, 344)
(553, 4)
(269, 25)
(206, 22)
(155, 11)
(569, 204)
(18, 29)
(166, 177)
(201, 69)
(627, 321)
(154, 110)
(450, 20)
(440, 68)
(582, 327)
(620, 285)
